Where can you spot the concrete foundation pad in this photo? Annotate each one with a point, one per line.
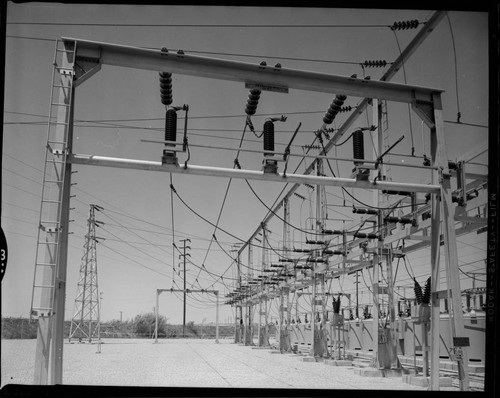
(312, 359)
(394, 372)
(421, 381)
(368, 372)
(338, 362)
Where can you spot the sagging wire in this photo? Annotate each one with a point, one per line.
(236, 164)
(404, 76)
(459, 114)
(173, 229)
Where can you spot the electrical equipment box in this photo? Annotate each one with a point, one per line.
(421, 313)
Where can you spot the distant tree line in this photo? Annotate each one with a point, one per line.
(142, 326)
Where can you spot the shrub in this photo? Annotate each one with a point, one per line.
(144, 325)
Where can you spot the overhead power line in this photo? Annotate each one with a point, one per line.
(150, 25)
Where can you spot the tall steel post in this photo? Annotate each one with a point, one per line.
(440, 159)
(156, 315)
(49, 282)
(217, 317)
(185, 247)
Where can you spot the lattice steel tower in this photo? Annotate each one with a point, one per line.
(86, 321)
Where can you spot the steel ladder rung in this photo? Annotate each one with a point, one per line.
(44, 286)
(58, 104)
(45, 264)
(59, 123)
(57, 142)
(51, 201)
(48, 243)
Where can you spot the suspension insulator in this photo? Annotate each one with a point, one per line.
(269, 136)
(380, 63)
(171, 125)
(358, 147)
(252, 102)
(402, 25)
(166, 88)
(335, 107)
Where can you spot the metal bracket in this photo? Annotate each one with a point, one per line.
(85, 67)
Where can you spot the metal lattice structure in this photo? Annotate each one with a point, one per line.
(85, 324)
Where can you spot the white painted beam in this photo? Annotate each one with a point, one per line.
(248, 174)
(264, 76)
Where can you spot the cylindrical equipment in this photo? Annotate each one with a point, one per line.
(170, 125)
(358, 147)
(269, 135)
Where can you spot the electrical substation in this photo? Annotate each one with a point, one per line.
(329, 291)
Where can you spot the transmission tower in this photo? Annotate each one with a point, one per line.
(86, 321)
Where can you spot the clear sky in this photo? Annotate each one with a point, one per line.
(119, 107)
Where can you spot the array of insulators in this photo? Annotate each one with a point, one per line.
(302, 250)
(166, 88)
(333, 252)
(170, 125)
(402, 220)
(364, 211)
(252, 102)
(335, 107)
(268, 135)
(315, 260)
(401, 193)
(358, 146)
(315, 242)
(380, 63)
(332, 232)
(363, 235)
(402, 25)
(311, 147)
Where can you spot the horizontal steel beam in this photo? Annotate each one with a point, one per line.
(248, 174)
(158, 291)
(266, 77)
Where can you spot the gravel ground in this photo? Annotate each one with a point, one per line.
(186, 363)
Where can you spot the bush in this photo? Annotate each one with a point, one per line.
(144, 325)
